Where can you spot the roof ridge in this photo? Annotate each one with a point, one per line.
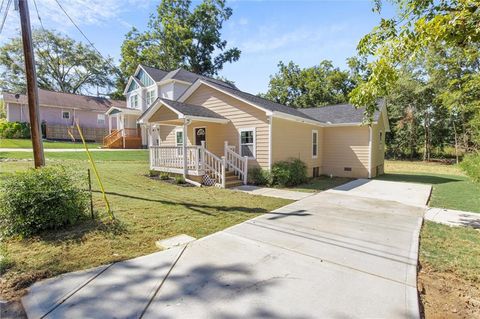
(59, 92)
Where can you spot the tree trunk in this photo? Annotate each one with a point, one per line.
(456, 141)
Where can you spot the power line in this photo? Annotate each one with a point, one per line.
(38, 14)
(5, 15)
(85, 36)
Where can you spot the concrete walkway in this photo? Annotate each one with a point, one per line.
(329, 255)
(453, 217)
(60, 150)
(272, 192)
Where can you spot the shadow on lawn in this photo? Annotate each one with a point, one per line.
(195, 207)
(420, 178)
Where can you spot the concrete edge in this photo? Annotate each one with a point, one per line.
(412, 300)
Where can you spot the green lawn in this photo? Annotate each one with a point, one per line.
(451, 189)
(148, 210)
(130, 155)
(320, 184)
(26, 143)
(451, 249)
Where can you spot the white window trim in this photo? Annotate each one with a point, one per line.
(179, 152)
(380, 142)
(103, 119)
(248, 129)
(69, 115)
(137, 95)
(316, 132)
(150, 100)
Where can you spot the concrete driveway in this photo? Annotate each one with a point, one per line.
(330, 255)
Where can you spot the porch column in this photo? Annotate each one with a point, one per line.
(185, 168)
(109, 124)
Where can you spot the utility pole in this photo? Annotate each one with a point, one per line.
(32, 89)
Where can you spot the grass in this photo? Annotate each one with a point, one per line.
(26, 143)
(133, 155)
(451, 189)
(320, 184)
(147, 209)
(451, 249)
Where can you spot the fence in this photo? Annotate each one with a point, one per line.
(60, 132)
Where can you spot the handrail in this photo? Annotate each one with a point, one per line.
(214, 166)
(236, 162)
(112, 137)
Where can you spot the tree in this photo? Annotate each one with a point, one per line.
(419, 26)
(309, 87)
(62, 65)
(181, 37)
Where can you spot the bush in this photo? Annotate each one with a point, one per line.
(259, 176)
(14, 129)
(180, 180)
(40, 199)
(471, 166)
(289, 173)
(153, 173)
(164, 176)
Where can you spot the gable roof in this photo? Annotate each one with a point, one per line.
(156, 74)
(250, 99)
(67, 100)
(190, 77)
(183, 109)
(339, 114)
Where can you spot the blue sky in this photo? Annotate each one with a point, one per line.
(266, 32)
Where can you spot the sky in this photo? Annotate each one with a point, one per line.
(268, 31)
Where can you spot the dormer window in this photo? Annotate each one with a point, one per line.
(150, 97)
(134, 101)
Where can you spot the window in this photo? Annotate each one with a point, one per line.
(66, 115)
(134, 101)
(314, 144)
(101, 119)
(179, 142)
(150, 97)
(247, 142)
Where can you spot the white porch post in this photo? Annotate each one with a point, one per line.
(109, 124)
(185, 168)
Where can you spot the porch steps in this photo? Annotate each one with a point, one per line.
(231, 180)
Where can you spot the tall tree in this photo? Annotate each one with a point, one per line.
(62, 65)
(418, 26)
(309, 87)
(179, 36)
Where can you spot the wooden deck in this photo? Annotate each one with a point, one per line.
(124, 138)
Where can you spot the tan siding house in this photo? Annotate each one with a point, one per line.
(215, 134)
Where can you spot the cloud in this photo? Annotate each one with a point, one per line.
(270, 38)
(83, 12)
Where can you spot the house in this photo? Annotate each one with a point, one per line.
(213, 133)
(60, 111)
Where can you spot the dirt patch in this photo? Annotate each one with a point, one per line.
(12, 310)
(445, 295)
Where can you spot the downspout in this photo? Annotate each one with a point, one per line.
(270, 123)
(185, 169)
(370, 151)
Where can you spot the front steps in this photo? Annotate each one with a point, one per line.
(231, 180)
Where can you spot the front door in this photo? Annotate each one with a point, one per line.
(200, 135)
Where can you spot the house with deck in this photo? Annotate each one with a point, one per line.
(59, 112)
(213, 133)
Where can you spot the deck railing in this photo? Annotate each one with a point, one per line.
(199, 161)
(236, 162)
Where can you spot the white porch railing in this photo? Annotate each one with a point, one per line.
(236, 162)
(199, 161)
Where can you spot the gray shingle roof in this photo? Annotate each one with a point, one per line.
(264, 103)
(190, 109)
(156, 74)
(337, 114)
(180, 74)
(84, 102)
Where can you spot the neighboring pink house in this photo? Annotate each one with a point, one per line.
(62, 110)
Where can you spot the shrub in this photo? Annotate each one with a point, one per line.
(164, 176)
(471, 166)
(40, 199)
(14, 129)
(289, 173)
(153, 173)
(259, 176)
(180, 180)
